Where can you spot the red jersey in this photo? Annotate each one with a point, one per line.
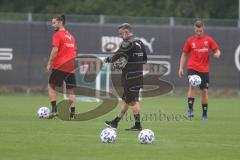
(199, 50)
(67, 49)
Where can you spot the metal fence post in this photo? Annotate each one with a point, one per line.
(171, 21)
(101, 19)
(29, 17)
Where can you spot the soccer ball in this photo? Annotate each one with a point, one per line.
(146, 136)
(43, 112)
(195, 80)
(108, 135)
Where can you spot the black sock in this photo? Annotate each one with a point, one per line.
(54, 106)
(190, 103)
(204, 108)
(72, 110)
(117, 119)
(137, 120)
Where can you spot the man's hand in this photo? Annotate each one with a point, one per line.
(181, 66)
(52, 56)
(107, 60)
(181, 72)
(217, 54)
(49, 67)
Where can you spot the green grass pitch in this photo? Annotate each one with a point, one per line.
(25, 137)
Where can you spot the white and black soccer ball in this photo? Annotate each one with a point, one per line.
(108, 135)
(195, 80)
(146, 136)
(43, 112)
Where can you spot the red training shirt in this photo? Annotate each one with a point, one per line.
(67, 48)
(199, 50)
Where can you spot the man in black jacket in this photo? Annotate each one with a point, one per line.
(130, 58)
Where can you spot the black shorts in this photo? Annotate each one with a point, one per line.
(130, 95)
(203, 75)
(57, 78)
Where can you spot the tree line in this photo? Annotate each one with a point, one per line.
(156, 8)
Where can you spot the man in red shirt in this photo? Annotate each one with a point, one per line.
(61, 64)
(197, 48)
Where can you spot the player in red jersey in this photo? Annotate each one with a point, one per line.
(197, 48)
(61, 64)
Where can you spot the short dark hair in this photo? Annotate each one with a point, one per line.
(199, 24)
(126, 26)
(61, 17)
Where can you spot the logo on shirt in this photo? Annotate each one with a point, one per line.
(70, 45)
(68, 37)
(138, 45)
(205, 43)
(193, 45)
(201, 50)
